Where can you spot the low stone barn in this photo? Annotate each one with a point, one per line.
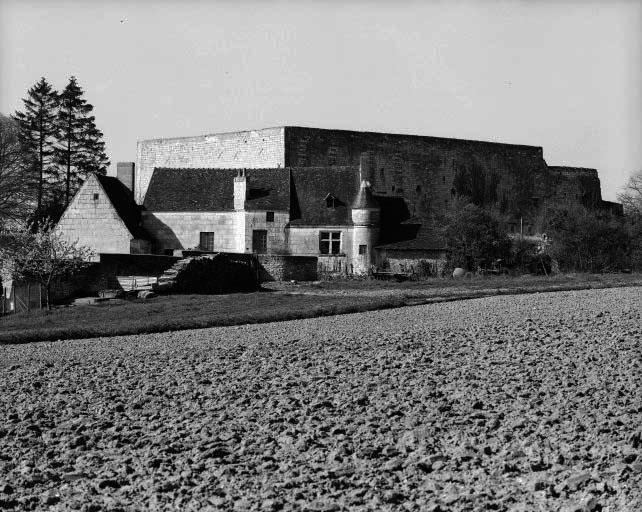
(351, 199)
(422, 255)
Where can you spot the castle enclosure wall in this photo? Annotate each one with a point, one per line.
(575, 184)
(428, 172)
(247, 149)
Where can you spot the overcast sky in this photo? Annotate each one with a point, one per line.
(563, 75)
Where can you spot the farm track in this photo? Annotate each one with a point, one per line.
(530, 402)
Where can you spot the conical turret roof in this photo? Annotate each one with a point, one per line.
(365, 199)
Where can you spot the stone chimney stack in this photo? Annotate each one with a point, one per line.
(366, 167)
(240, 190)
(125, 174)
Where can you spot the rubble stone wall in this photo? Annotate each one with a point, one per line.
(420, 263)
(281, 267)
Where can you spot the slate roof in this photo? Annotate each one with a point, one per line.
(301, 190)
(309, 188)
(424, 240)
(123, 201)
(364, 198)
(211, 190)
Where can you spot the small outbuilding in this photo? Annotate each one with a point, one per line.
(422, 256)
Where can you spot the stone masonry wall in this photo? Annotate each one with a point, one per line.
(277, 231)
(232, 230)
(181, 230)
(305, 240)
(92, 221)
(575, 184)
(279, 267)
(429, 171)
(248, 149)
(426, 171)
(419, 263)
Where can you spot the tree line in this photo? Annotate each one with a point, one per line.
(572, 237)
(47, 150)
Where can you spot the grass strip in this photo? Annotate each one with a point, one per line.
(179, 312)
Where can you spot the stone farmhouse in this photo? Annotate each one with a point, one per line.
(351, 199)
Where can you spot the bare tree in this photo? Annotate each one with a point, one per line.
(18, 182)
(631, 198)
(40, 253)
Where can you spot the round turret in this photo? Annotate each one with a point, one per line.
(365, 231)
(365, 209)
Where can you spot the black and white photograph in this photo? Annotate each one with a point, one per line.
(321, 255)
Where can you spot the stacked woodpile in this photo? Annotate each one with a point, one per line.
(208, 274)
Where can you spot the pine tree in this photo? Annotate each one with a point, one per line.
(38, 133)
(18, 184)
(80, 149)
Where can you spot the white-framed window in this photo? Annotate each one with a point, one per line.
(206, 241)
(330, 242)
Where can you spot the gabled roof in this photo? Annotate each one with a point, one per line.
(210, 190)
(311, 186)
(123, 202)
(301, 190)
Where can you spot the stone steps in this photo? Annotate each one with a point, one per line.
(167, 280)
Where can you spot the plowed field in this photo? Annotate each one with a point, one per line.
(530, 402)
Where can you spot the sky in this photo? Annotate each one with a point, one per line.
(564, 75)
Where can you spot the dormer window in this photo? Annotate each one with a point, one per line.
(331, 201)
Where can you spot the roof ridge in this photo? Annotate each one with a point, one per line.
(292, 126)
(235, 169)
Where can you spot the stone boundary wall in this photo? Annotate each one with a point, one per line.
(421, 263)
(102, 275)
(281, 267)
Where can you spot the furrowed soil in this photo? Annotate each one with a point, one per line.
(530, 402)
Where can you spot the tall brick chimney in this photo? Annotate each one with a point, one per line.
(125, 174)
(240, 190)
